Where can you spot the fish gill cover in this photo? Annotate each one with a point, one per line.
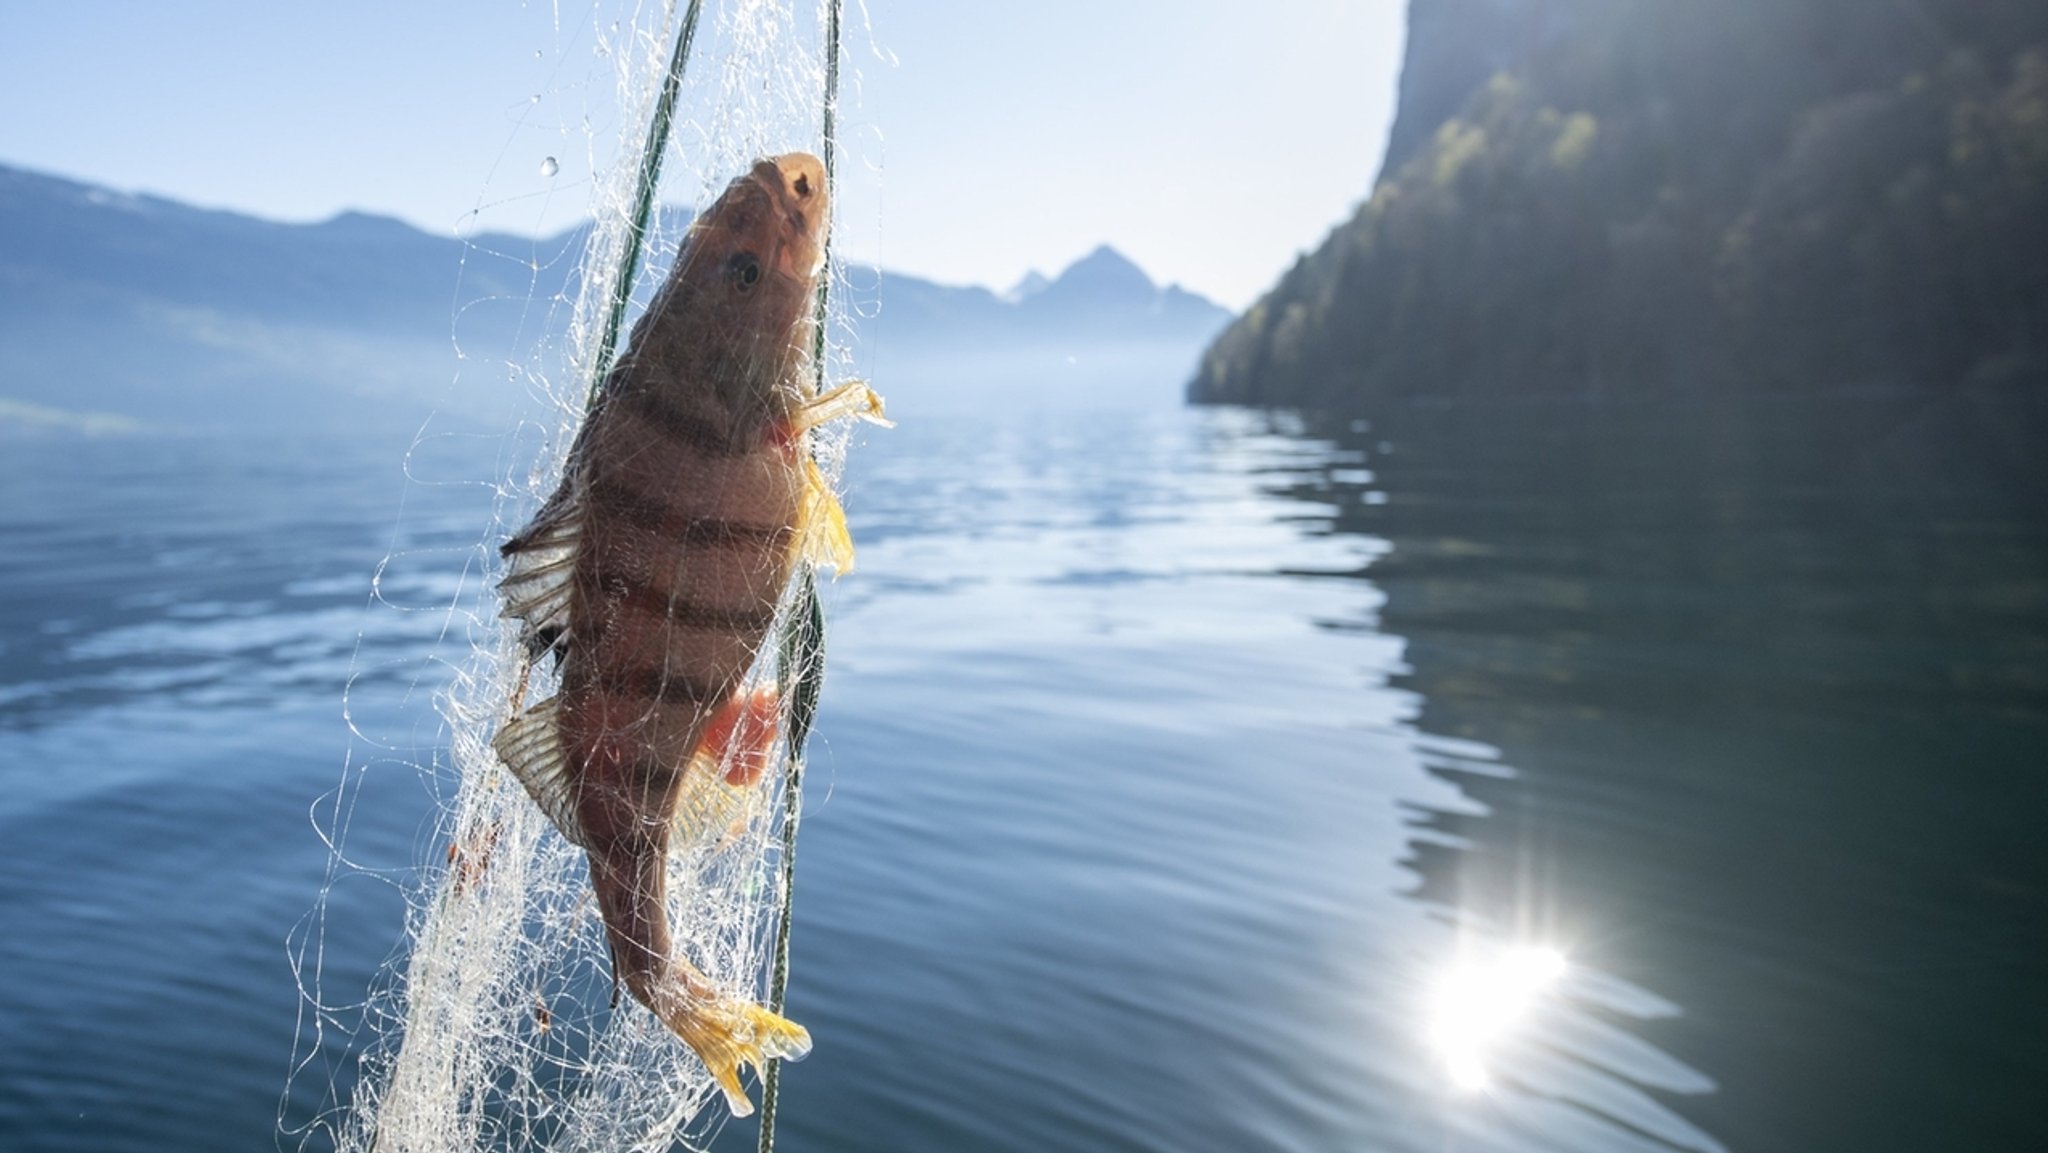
(499, 1025)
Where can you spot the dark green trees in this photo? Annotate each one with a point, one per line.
(1648, 197)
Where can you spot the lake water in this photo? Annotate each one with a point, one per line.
(1173, 766)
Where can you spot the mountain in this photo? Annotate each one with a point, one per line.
(118, 308)
(1100, 333)
(1031, 283)
(165, 314)
(1100, 297)
(1628, 197)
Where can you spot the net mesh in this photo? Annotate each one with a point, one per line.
(499, 1025)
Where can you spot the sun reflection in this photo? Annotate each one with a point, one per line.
(1478, 1004)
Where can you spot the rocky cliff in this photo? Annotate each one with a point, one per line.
(1642, 197)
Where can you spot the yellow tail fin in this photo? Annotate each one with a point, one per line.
(727, 1034)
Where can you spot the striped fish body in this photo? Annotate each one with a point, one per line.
(686, 548)
(653, 575)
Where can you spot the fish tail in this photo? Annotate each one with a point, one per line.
(728, 1033)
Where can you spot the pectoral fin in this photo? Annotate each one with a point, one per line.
(822, 538)
(850, 399)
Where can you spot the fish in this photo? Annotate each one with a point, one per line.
(653, 573)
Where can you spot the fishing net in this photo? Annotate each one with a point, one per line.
(499, 1026)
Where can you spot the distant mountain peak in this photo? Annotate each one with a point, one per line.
(1105, 270)
(1033, 283)
(350, 222)
(1105, 292)
(1103, 279)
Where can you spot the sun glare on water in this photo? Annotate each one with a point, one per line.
(1479, 1004)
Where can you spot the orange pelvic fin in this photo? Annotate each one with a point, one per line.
(738, 747)
(741, 735)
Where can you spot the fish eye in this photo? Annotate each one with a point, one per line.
(743, 270)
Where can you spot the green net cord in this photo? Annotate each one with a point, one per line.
(643, 199)
(802, 659)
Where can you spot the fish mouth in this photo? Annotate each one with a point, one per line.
(794, 183)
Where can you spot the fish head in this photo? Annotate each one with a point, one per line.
(750, 264)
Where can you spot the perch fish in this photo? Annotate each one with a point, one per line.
(652, 576)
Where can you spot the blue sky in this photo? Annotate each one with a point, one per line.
(1210, 140)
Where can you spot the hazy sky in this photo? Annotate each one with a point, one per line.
(1210, 140)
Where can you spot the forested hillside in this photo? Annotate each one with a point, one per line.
(1642, 197)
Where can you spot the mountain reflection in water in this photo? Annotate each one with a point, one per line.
(1774, 682)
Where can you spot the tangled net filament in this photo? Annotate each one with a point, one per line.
(501, 1027)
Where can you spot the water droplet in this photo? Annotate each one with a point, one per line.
(548, 167)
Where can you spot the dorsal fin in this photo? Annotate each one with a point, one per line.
(531, 746)
(537, 588)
